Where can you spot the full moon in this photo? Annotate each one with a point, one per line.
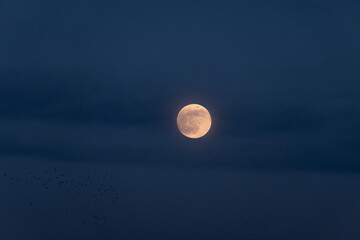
(194, 121)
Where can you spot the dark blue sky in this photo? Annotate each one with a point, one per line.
(95, 86)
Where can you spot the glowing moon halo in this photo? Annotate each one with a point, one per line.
(194, 121)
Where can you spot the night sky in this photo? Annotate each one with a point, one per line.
(90, 91)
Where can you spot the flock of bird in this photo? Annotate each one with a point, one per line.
(98, 188)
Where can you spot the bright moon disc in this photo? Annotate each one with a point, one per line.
(194, 121)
